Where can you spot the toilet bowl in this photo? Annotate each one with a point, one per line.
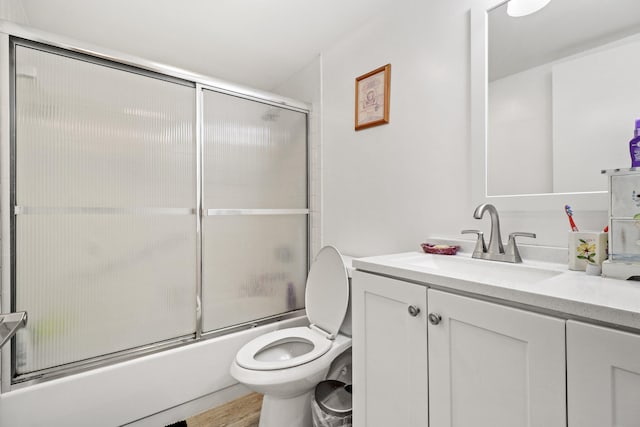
(285, 365)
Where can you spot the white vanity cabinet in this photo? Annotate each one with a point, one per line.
(495, 356)
(488, 365)
(494, 366)
(389, 352)
(603, 376)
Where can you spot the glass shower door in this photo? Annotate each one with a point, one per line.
(112, 243)
(104, 225)
(255, 229)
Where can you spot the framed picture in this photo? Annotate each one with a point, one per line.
(372, 98)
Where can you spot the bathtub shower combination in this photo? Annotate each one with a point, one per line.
(144, 207)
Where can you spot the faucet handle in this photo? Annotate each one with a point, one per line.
(513, 236)
(512, 249)
(481, 247)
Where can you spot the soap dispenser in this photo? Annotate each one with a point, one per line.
(634, 146)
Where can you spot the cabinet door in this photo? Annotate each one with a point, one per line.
(603, 376)
(494, 366)
(389, 352)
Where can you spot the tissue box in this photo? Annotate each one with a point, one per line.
(586, 246)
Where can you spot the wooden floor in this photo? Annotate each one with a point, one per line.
(242, 412)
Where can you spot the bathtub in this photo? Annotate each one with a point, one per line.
(152, 390)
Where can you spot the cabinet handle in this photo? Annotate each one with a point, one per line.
(413, 310)
(434, 318)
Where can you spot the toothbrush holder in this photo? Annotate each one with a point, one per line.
(586, 247)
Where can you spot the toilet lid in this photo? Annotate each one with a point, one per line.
(327, 293)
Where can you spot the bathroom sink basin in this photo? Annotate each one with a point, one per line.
(490, 272)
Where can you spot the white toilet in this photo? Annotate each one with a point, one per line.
(286, 365)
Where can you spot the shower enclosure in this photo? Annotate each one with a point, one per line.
(143, 207)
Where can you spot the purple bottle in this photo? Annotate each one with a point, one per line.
(634, 147)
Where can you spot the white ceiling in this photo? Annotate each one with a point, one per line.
(259, 43)
(562, 28)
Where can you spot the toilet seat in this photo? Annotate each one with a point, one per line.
(246, 357)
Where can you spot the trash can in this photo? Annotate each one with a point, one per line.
(332, 404)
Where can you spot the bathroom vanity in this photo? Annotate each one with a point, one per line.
(454, 341)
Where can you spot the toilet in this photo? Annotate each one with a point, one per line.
(285, 365)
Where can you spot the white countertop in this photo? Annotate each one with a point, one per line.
(547, 286)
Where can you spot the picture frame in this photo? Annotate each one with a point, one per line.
(372, 98)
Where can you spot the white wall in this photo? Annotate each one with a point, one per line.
(387, 188)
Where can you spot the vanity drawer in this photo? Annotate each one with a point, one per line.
(624, 242)
(625, 195)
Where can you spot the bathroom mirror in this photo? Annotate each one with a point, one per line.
(554, 100)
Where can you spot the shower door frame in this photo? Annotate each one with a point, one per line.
(9, 32)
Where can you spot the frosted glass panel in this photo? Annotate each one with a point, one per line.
(254, 157)
(106, 238)
(253, 267)
(254, 154)
(96, 284)
(93, 136)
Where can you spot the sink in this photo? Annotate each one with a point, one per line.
(490, 272)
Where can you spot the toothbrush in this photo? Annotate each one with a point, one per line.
(569, 212)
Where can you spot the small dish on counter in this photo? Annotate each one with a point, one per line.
(439, 249)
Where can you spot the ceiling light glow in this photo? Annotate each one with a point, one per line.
(517, 8)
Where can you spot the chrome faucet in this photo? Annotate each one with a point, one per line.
(495, 240)
(495, 251)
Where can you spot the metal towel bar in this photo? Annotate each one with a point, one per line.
(10, 323)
